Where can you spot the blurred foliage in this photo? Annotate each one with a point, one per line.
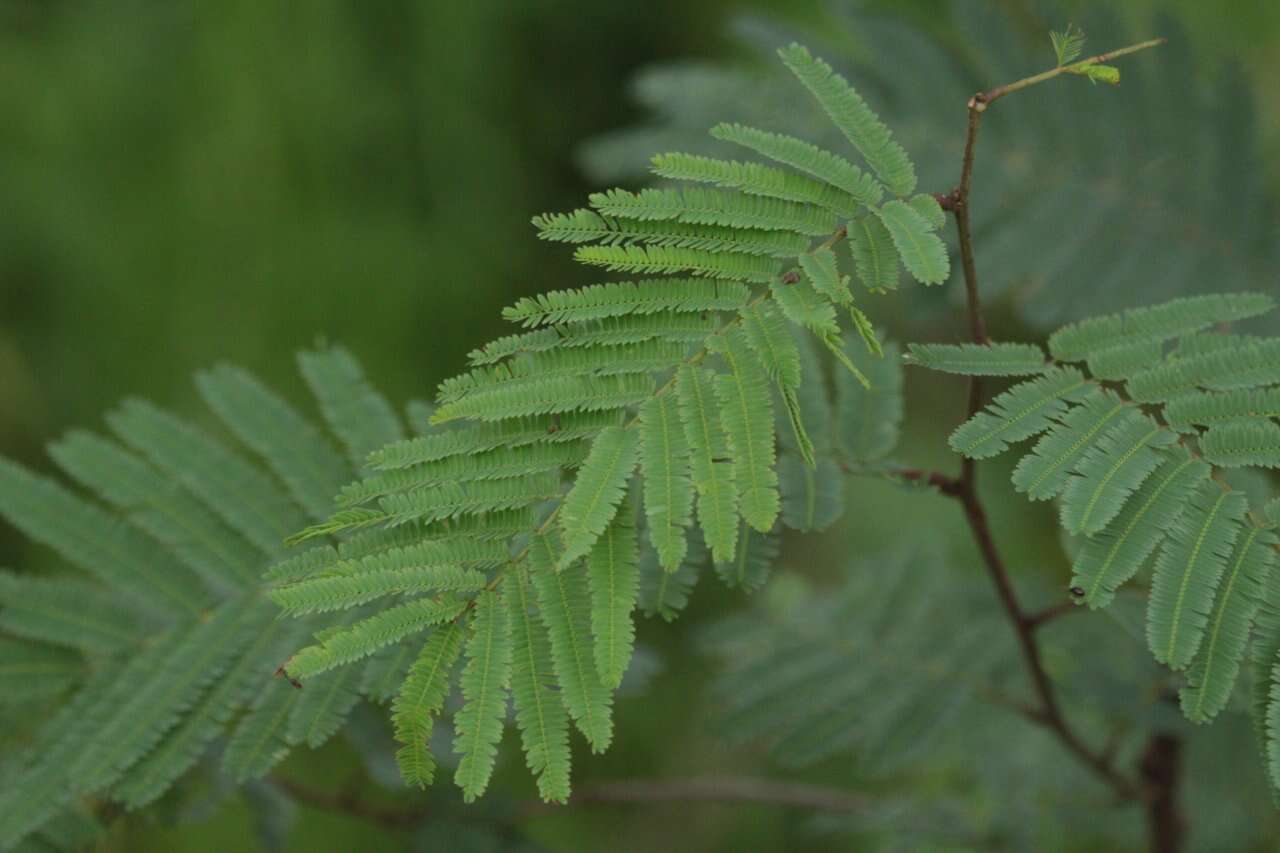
(190, 182)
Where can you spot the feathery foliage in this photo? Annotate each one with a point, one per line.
(170, 644)
(1131, 484)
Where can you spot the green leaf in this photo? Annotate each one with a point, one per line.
(875, 257)
(162, 508)
(288, 443)
(1240, 443)
(756, 179)
(1024, 410)
(240, 493)
(358, 414)
(753, 560)
(1210, 409)
(802, 305)
(1044, 472)
(668, 489)
(995, 359)
(1161, 322)
(821, 269)
(565, 603)
(812, 494)
(583, 226)
(601, 484)
(1249, 364)
(666, 593)
(921, 250)
(662, 260)
(622, 298)
(856, 121)
(1119, 461)
(69, 612)
(1213, 673)
(713, 475)
(258, 742)
(421, 698)
(158, 697)
(612, 572)
(549, 395)
(1187, 573)
(928, 207)
(869, 418)
(363, 638)
(101, 544)
(540, 713)
(1123, 360)
(747, 415)
(769, 337)
(716, 207)
(1068, 44)
(478, 724)
(805, 157)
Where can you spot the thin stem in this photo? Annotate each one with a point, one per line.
(964, 488)
(992, 95)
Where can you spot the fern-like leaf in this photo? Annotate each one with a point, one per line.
(621, 298)
(875, 256)
(668, 489)
(1213, 673)
(713, 475)
(115, 552)
(664, 260)
(1211, 409)
(366, 636)
(997, 359)
(478, 724)
(755, 179)
(1187, 573)
(1171, 319)
(1121, 459)
(540, 713)
(358, 414)
(582, 226)
(747, 416)
(295, 449)
(1044, 472)
(855, 119)
(821, 269)
(1234, 445)
(716, 207)
(1252, 364)
(805, 157)
(565, 604)
(921, 250)
(1024, 410)
(593, 501)
(612, 572)
(421, 698)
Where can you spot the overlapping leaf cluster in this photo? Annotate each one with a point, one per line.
(1136, 447)
(164, 643)
(633, 427)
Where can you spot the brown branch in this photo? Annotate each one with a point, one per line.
(1161, 769)
(944, 483)
(1049, 712)
(1048, 614)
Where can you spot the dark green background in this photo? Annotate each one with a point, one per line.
(183, 183)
